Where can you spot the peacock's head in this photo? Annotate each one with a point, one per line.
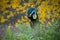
(32, 15)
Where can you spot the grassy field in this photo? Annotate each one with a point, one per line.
(28, 33)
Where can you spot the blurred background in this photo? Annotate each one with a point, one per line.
(15, 25)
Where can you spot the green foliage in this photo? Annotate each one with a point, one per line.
(8, 35)
(40, 33)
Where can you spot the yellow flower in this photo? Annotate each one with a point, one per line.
(37, 2)
(18, 21)
(53, 19)
(15, 3)
(42, 14)
(2, 19)
(58, 9)
(14, 6)
(56, 15)
(22, 19)
(32, 5)
(30, 1)
(49, 22)
(17, 9)
(11, 14)
(8, 16)
(18, 12)
(26, 17)
(20, 7)
(48, 16)
(24, 11)
(55, 2)
(27, 23)
(28, 4)
(42, 22)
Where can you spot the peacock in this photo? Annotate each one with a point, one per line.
(32, 15)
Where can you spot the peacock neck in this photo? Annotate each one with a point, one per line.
(34, 23)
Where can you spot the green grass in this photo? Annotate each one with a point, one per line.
(40, 33)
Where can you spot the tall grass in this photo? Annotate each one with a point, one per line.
(28, 33)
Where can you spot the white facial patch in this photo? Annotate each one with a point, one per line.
(32, 13)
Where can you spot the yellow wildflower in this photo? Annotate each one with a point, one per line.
(48, 16)
(49, 22)
(11, 14)
(8, 16)
(2, 19)
(24, 11)
(27, 23)
(18, 21)
(53, 19)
